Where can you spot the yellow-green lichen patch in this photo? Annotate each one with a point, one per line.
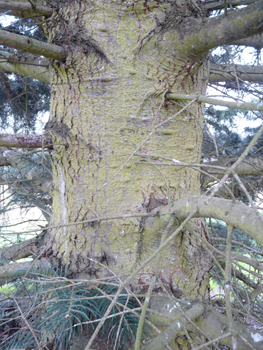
(168, 132)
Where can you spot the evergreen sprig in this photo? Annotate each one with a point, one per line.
(61, 310)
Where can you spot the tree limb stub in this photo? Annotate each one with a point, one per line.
(239, 215)
(25, 141)
(14, 7)
(214, 101)
(27, 44)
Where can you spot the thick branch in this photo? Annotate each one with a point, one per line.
(250, 166)
(256, 42)
(20, 250)
(212, 323)
(175, 327)
(214, 101)
(224, 30)
(25, 141)
(27, 44)
(237, 214)
(245, 259)
(20, 269)
(27, 65)
(24, 9)
(227, 73)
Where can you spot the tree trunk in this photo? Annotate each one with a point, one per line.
(107, 98)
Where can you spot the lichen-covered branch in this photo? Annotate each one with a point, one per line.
(24, 9)
(25, 141)
(164, 313)
(175, 327)
(27, 65)
(228, 73)
(20, 269)
(239, 215)
(214, 101)
(224, 30)
(27, 44)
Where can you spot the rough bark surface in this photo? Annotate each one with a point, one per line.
(106, 99)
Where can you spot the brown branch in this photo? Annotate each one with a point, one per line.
(20, 250)
(27, 44)
(227, 73)
(25, 141)
(22, 9)
(239, 275)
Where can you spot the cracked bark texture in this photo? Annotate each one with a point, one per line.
(106, 99)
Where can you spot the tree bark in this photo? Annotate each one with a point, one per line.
(109, 109)
(102, 111)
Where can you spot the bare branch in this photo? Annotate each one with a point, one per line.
(20, 250)
(25, 141)
(211, 6)
(238, 215)
(214, 101)
(19, 269)
(226, 73)
(28, 65)
(250, 166)
(213, 323)
(24, 9)
(239, 275)
(255, 41)
(224, 30)
(27, 44)
(175, 327)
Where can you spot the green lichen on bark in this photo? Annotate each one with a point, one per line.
(110, 107)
